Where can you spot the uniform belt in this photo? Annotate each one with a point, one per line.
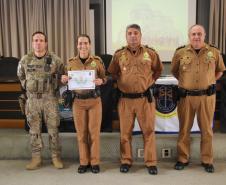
(93, 94)
(196, 92)
(134, 95)
(210, 91)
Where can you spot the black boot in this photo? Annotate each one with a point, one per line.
(208, 167)
(95, 169)
(124, 168)
(83, 168)
(152, 170)
(180, 166)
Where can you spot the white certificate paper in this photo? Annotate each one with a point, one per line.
(81, 79)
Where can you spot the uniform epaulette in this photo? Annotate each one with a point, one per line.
(97, 57)
(211, 45)
(120, 49)
(100, 59)
(181, 47)
(146, 46)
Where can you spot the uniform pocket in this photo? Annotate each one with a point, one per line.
(124, 66)
(146, 66)
(32, 85)
(185, 64)
(40, 86)
(210, 64)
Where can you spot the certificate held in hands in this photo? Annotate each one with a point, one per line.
(81, 79)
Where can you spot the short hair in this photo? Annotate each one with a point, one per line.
(189, 30)
(83, 35)
(42, 33)
(136, 26)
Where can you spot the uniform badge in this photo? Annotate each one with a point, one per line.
(209, 54)
(93, 64)
(123, 57)
(146, 56)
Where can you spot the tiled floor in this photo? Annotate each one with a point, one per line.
(12, 172)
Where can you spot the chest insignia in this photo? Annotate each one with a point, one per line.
(93, 64)
(146, 56)
(209, 55)
(123, 57)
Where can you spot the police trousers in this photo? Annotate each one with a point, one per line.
(87, 115)
(128, 110)
(203, 107)
(39, 110)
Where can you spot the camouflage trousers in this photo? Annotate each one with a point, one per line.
(39, 110)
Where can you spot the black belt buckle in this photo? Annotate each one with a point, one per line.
(196, 92)
(92, 94)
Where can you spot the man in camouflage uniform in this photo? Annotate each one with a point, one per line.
(87, 107)
(136, 68)
(197, 66)
(39, 72)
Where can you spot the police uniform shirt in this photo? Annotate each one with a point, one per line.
(135, 72)
(92, 63)
(196, 70)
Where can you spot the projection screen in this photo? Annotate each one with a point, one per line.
(164, 23)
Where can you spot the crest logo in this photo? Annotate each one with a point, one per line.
(165, 102)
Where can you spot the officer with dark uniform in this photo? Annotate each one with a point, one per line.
(87, 107)
(39, 72)
(197, 66)
(136, 68)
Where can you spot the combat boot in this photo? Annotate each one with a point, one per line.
(57, 162)
(35, 163)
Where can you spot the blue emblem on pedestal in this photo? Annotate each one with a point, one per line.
(165, 101)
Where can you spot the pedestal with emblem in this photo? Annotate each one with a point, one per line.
(166, 107)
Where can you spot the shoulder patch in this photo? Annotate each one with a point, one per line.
(146, 46)
(181, 47)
